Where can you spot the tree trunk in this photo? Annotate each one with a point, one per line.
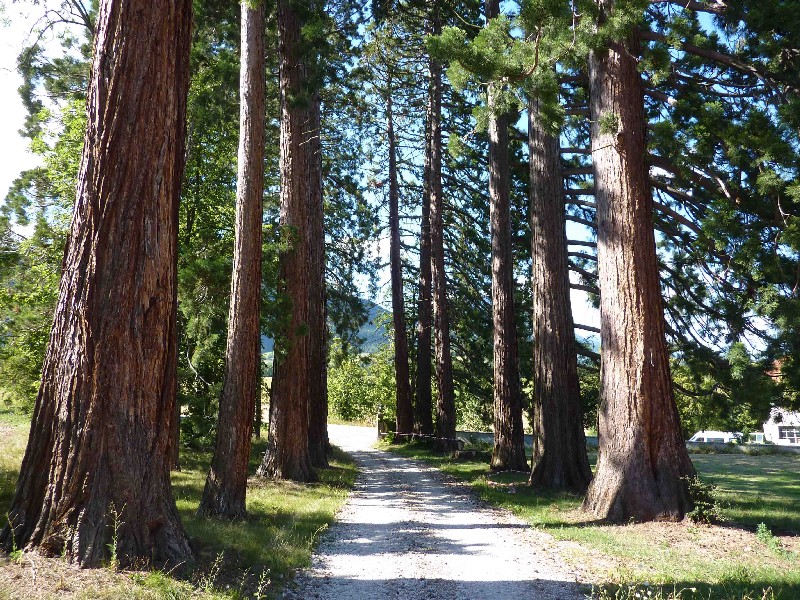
(259, 404)
(445, 398)
(175, 445)
(559, 444)
(318, 444)
(405, 416)
(509, 443)
(287, 455)
(96, 468)
(423, 403)
(226, 484)
(641, 457)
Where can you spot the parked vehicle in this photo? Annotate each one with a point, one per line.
(720, 437)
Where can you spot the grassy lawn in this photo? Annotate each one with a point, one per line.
(239, 559)
(667, 560)
(757, 489)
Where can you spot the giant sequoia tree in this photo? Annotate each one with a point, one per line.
(559, 445)
(509, 449)
(226, 484)
(445, 397)
(318, 444)
(404, 409)
(642, 460)
(102, 434)
(287, 455)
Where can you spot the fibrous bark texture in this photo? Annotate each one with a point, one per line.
(287, 455)
(100, 447)
(423, 402)
(509, 447)
(226, 484)
(445, 397)
(405, 416)
(432, 185)
(642, 457)
(318, 445)
(559, 444)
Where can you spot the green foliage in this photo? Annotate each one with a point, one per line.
(729, 395)
(645, 591)
(764, 535)
(515, 68)
(361, 388)
(609, 124)
(706, 506)
(30, 267)
(251, 558)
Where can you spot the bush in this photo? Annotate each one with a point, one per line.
(361, 388)
(707, 506)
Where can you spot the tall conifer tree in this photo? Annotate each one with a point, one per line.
(226, 484)
(101, 439)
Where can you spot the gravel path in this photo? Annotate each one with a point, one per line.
(408, 534)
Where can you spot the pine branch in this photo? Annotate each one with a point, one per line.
(717, 7)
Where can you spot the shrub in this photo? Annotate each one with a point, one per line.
(707, 505)
(360, 388)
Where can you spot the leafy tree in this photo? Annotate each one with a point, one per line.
(361, 388)
(40, 199)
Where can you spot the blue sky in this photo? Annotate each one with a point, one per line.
(18, 19)
(14, 154)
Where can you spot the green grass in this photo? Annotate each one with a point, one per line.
(284, 518)
(13, 437)
(756, 489)
(680, 557)
(234, 559)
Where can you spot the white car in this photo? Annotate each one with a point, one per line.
(720, 437)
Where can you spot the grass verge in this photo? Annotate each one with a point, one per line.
(252, 558)
(666, 560)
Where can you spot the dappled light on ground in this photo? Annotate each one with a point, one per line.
(408, 533)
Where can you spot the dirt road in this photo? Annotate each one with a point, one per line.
(408, 534)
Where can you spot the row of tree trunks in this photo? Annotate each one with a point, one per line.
(287, 455)
(509, 449)
(559, 444)
(642, 460)
(226, 484)
(404, 412)
(445, 396)
(98, 459)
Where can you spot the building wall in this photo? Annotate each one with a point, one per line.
(782, 421)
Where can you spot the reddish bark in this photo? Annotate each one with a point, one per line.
(559, 444)
(318, 444)
(404, 413)
(445, 397)
(226, 484)
(287, 455)
(509, 445)
(642, 459)
(423, 402)
(101, 442)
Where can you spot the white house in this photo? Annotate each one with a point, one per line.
(782, 427)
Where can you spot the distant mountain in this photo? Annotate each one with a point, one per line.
(373, 332)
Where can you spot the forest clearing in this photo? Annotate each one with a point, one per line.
(568, 228)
